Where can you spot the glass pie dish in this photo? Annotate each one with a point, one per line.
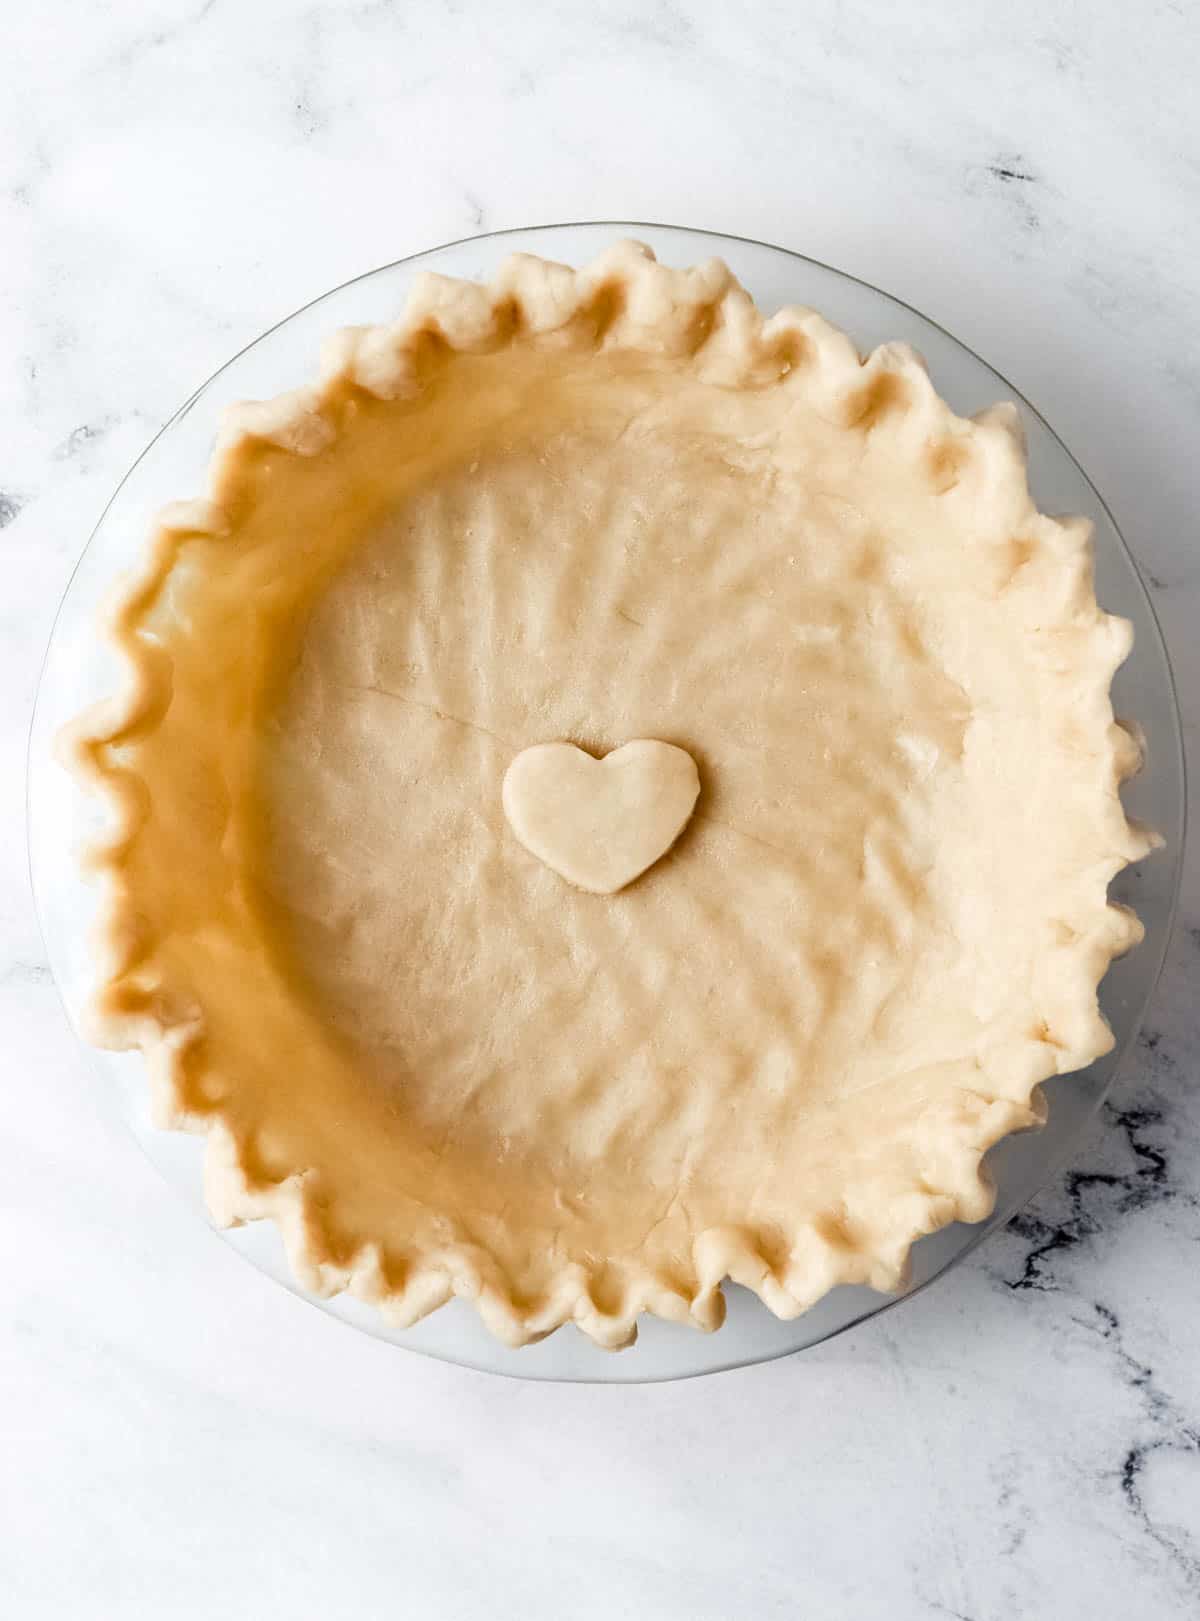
(80, 667)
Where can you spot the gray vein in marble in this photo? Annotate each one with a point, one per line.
(1014, 177)
(1095, 1198)
(660, 23)
(80, 438)
(1137, 1177)
(25, 973)
(1010, 175)
(131, 51)
(10, 506)
(1170, 1431)
(935, 1607)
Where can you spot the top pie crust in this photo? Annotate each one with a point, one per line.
(596, 506)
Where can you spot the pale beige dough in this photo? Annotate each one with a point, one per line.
(777, 1055)
(600, 823)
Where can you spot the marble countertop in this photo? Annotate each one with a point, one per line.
(181, 1438)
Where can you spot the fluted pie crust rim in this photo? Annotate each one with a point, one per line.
(702, 322)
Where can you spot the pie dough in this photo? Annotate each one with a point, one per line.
(600, 823)
(613, 508)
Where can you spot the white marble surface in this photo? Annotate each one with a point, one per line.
(181, 1438)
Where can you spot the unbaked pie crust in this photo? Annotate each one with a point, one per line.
(598, 508)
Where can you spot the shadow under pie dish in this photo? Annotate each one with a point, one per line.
(608, 508)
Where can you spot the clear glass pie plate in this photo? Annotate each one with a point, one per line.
(79, 669)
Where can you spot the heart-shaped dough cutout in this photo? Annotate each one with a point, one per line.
(600, 823)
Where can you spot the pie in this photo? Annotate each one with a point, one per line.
(611, 793)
